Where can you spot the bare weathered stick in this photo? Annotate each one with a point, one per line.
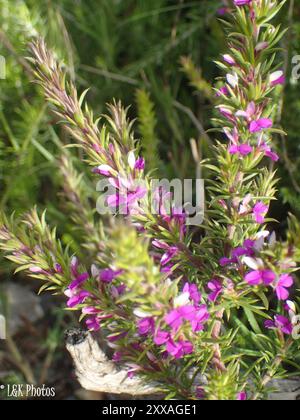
(96, 372)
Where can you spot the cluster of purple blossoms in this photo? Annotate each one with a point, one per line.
(174, 220)
(258, 210)
(78, 295)
(128, 186)
(283, 324)
(226, 9)
(186, 315)
(262, 275)
(252, 118)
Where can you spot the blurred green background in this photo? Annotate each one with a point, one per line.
(156, 56)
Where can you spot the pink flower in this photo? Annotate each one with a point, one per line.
(90, 310)
(246, 250)
(82, 278)
(76, 297)
(222, 91)
(260, 124)
(108, 275)
(93, 323)
(193, 291)
(140, 164)
(277, 78)
(117, 357)
(161, 337)
(216, 288)
(104, 170)
(176, 317)
(171, 251)
(242, 396)
(257, 277)
(255, 124)
(269, 152)
(259, 212)
(169, 255)
(242, 2)
(74, 267)
(58, 268)
(261, 46)
(285, 281)
(242, 149)
(196, 315)
(146, 326)
(226, 113)
(249, 113)
(229, 60)
(179, 349)
(281, 323)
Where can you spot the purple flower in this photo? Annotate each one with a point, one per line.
(104, 170)
(222, 91)
(216, 288)
(58, 268)
(146, 326)
(269, 153)
(108, 275)
(277, 78)
(258, 277)
(74, 267)
(77, 298)
(82, 278)
(193, 291)
(281, 323)
(261, 46)
(117, 357)
(242, 2)
(37, 270)
(176, 317)
(285, 281)
(196, 315)
(246, 250)
(260, 124)
(242, 396)
(93, 323)
(229, 60)
(226, 113)
(259, 211)
(179, 349)
(140, 164)
(226, 261)
(170, 253)
(242, 149)
(161, 337)
(200, 393)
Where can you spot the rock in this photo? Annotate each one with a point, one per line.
(20, 303)
(288, 390)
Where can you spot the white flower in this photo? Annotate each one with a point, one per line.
(141, 314)
(131, 160)
(182, 299)
(232, 79)
(253, 263)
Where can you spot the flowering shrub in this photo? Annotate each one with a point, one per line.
(208, 318)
